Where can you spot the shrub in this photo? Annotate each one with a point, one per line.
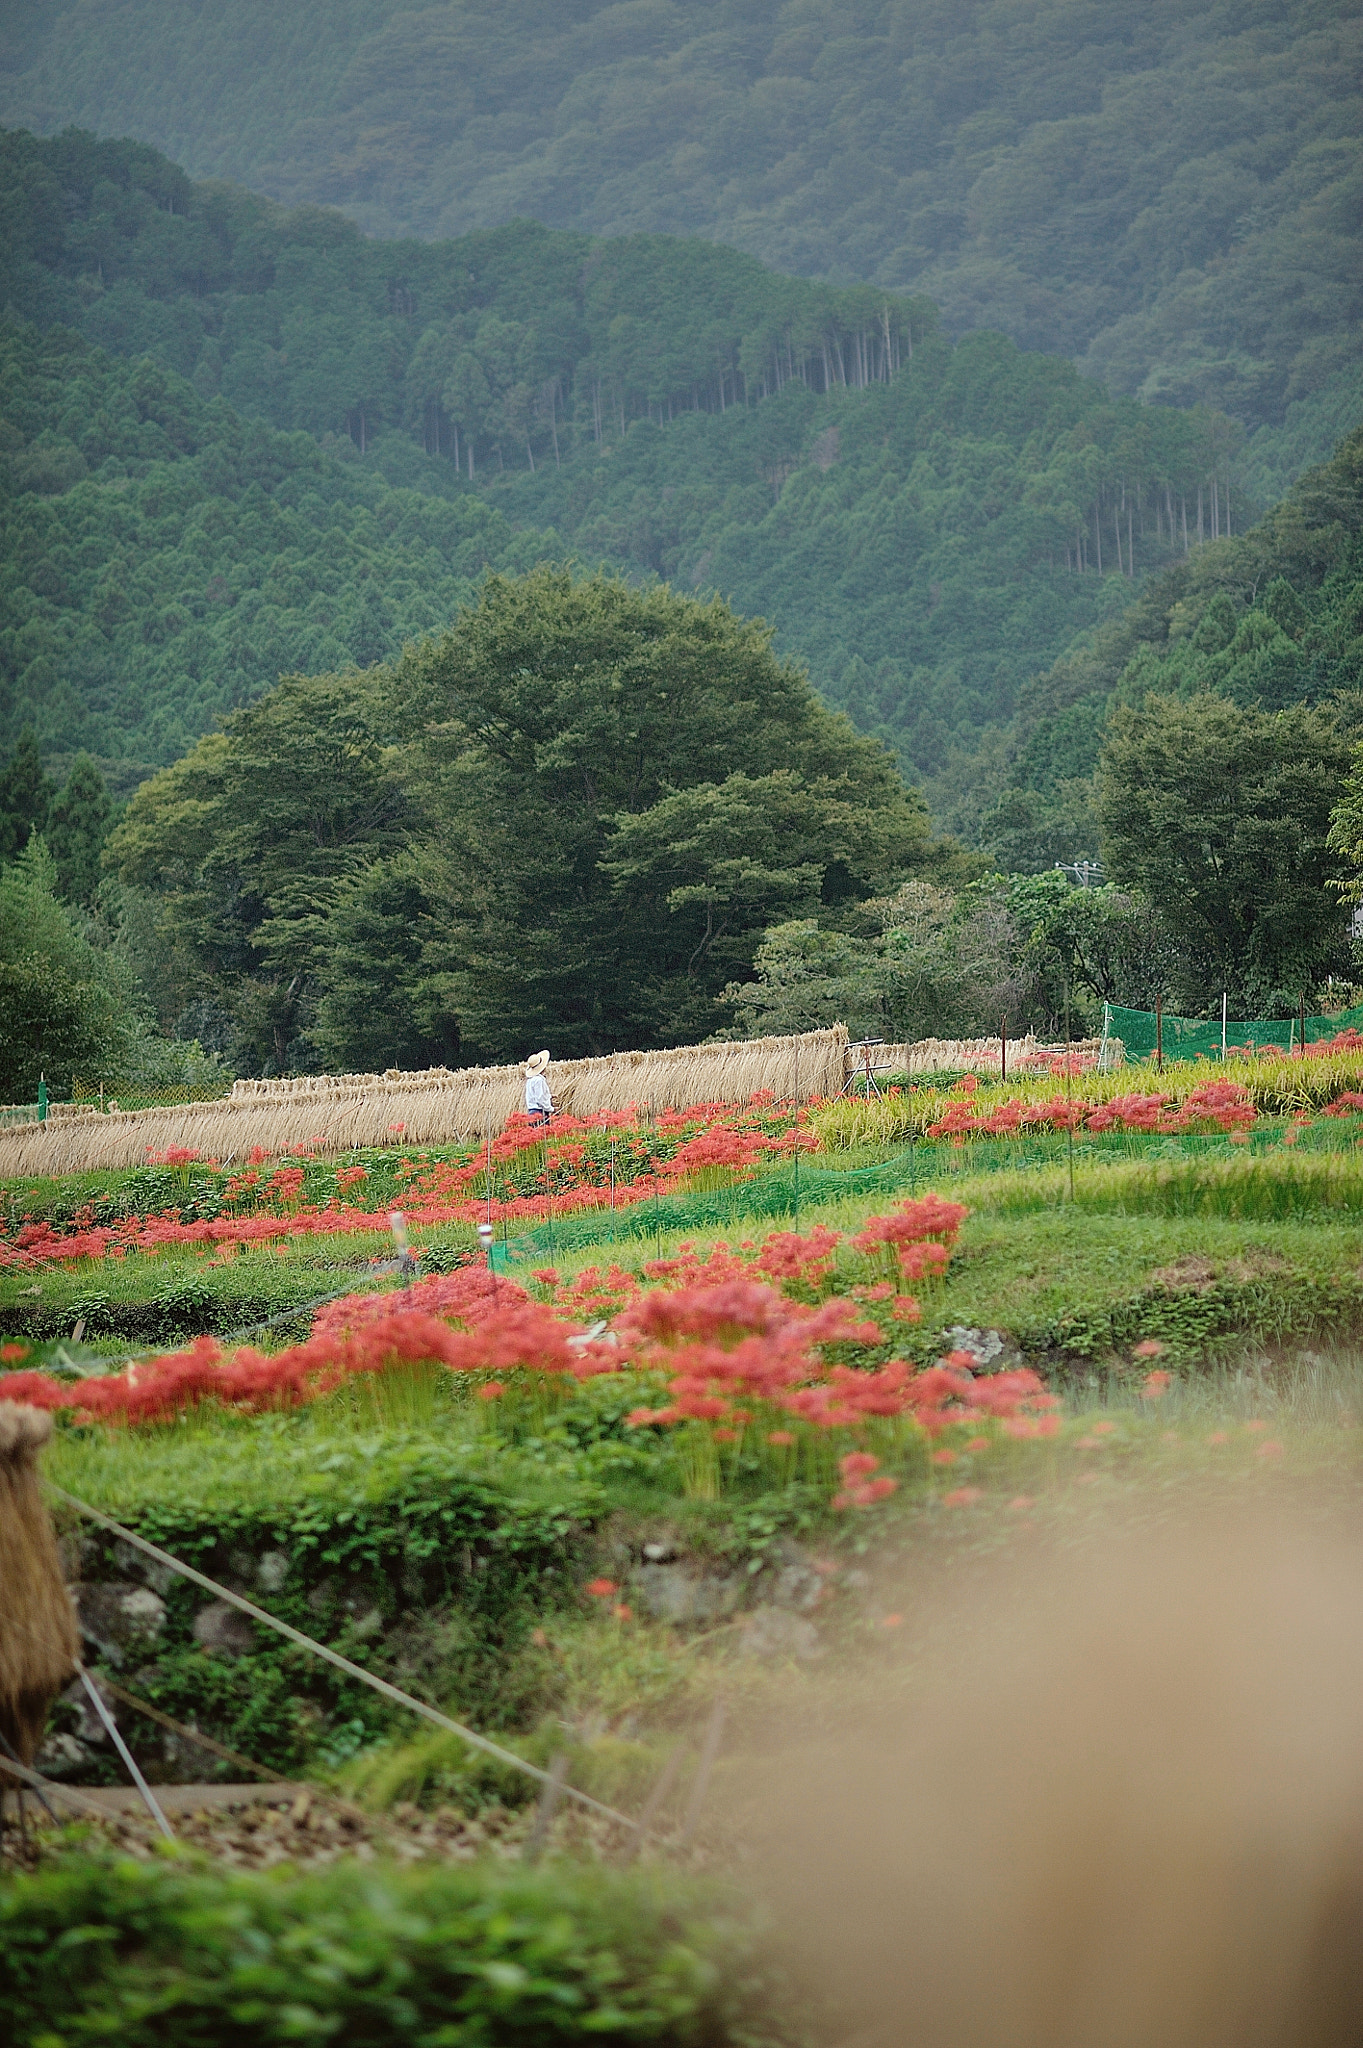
(117, 1951)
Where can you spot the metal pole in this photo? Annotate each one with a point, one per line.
(1223, 1023)
(709, 1752)
(797, 1134)
(653, 1805)
(1003, 1048)
(1159, 1034)
(1069, 1116)
(129, 1760)
(551, 1793)
(1303, 1023)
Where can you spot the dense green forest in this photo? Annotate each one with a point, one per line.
(1168, 192)
(163, 561)
(925, 523)
(1267, 620)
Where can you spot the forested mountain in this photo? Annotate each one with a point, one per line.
(163, 561)
(1267, 620)
(1169, 192)
(926, 524)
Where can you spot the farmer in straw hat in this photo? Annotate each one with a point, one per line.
(539, 1103)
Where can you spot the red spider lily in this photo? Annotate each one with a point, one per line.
(866, 1494)
(786, 1256)
(920, 1233)
(33, 1389)
(1156, 1384)
(1224, 1103)
(602, 1589)
(1128, 1112)
(1149, 1347)
(10, 1352)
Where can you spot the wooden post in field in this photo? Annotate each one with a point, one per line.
(1303, 1023)
(1159, 1034)
(1003, 1048)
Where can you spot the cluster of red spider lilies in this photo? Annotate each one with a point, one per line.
(764, 1344)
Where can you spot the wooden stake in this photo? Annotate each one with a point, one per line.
(1159, 1034)
(1003, 1049)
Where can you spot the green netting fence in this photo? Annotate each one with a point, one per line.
(1191, 1038)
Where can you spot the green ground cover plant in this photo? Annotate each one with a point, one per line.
(94, 1950)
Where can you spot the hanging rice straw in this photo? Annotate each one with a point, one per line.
(334, 1113)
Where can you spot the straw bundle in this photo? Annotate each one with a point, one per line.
(332, 1113)
(977, 1055)
(38, 1641)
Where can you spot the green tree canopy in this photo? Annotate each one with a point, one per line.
(568, 819)
(68, 1007)
(246, 843)
(1220, 815)
(627, 784)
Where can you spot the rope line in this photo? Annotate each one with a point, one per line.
(369, 1678)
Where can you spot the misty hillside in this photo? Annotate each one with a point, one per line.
(1170, 192)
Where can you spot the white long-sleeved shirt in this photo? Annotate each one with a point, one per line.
(537, 1094)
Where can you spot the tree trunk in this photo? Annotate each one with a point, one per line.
(1098, 534)
(1130, 551)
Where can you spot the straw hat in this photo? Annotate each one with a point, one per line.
(536, 1063)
